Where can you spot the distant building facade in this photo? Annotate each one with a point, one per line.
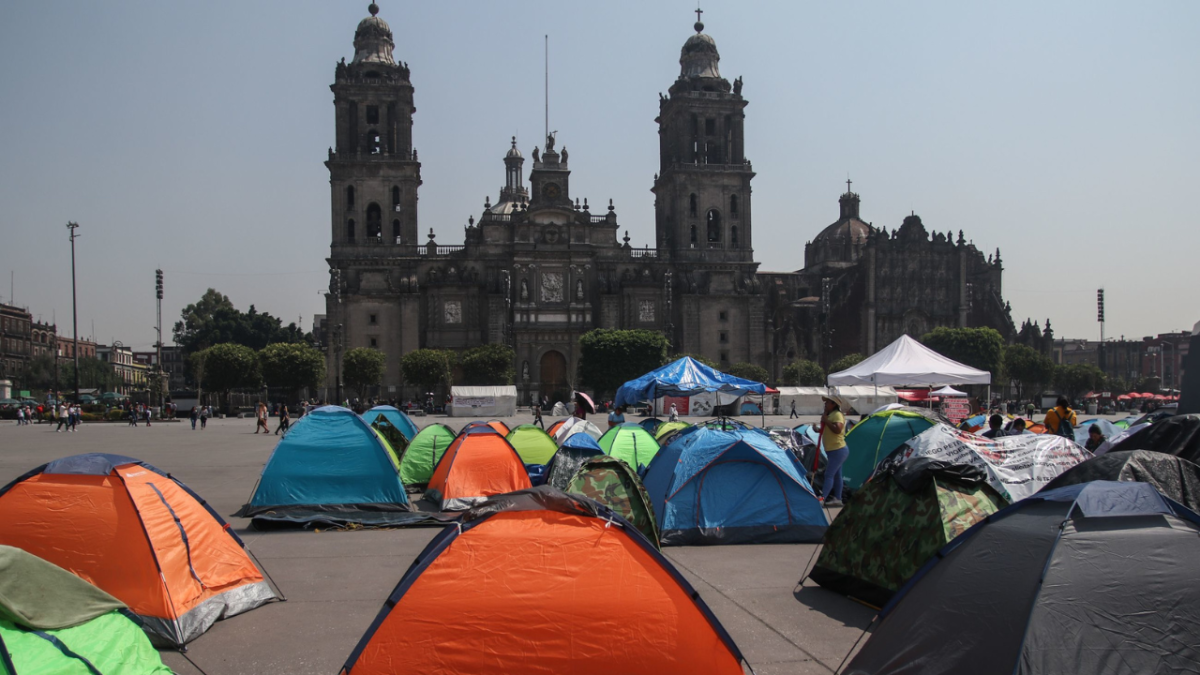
(16, 345)
(541, 266)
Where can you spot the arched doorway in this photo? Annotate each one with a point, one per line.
(553, 372)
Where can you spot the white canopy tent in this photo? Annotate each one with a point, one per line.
(807, 399)
(949, 391)
(907, 362)
(496, 401)
(863, 399)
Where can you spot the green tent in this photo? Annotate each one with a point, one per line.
(54, 623)
(387, 444)
(423, 453)
(874, 438)
(532, 443)
(393, 438)
(631, 443)
(613, 483)
(669, 429)
(898, 521)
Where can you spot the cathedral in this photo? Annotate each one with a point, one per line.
(538, 269)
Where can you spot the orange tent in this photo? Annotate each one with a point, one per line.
(139, 534)
(499, 426)
(543, 582)
(478, 464)
(554, 427)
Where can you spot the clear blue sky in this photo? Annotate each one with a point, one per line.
(190, 136)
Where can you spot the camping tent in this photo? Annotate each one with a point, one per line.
(331, 467)
(629, 443)
(896, 522)
(684, 377)
(139, 534)
(731, 487)
(876, 437)
(423, 453)
(570, 456)
(478, 464)
(1090, 578)
(1178, 435)
(1176, 478)
(395, 417)
(532, 444)
(807, 399)
(492, 401)
(666, 430)
(613, 483)
(907, 362)
(542, 582)
(51, 621)
(1017, 466)
(574, 425)
(651, 424)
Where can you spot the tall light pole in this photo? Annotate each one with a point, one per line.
(71, 227)
(158, 293)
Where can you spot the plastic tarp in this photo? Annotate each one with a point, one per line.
(540, 582)
(1017, 466)
(491, 401)
(908, 363)
(395, 417)
(685, 377)
(423, 453)
(329, 461)
(629, 443)
(731, 487)
(1174, 477)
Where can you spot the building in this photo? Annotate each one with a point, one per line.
(66, 346)
(539, 268)
(133, 375)
(173, 362)
(43, 340)
(16, 344)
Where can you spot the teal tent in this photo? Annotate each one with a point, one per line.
(875, 438)
(395, 417)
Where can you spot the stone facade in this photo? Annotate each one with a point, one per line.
(538, 269)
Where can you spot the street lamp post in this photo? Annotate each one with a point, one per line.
(71, 227)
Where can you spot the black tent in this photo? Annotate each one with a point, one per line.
(1178, 435)
(1090, 578)
(1176, 478)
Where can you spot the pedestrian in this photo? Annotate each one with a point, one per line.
(195, 415)
(75, 414)
(20, 415)
(833, 440)
(260, 412)
(1095, 438)
(284, 422)
(147, 412)
(133, 415)
(537, 416)
(58, 418)
(204, 413)
(616, 417)
(674, 414)
(1061, 420)
(995, 428)
(794, 414)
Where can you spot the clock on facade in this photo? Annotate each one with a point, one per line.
(551, 191)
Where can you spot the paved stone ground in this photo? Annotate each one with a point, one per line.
(336, 581)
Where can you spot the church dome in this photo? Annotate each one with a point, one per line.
(513, 152)
(854, 229)
(373, 40)
(699, 56)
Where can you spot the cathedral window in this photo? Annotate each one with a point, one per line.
(733, 205)
(374, 221)
(724, 357)
(374, 343)
(350, 230)
(714, 225)
(710, 127)
(723, 315)
(372, 319)
(372, 114)
(693, 204)
(724, 337)
(396, 230)
(349, 197)
(396, 198)
(733, 236)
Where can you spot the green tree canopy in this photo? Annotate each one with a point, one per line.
(488, 364)
(748, 371)
(363, 367)
(292, 366)
(695, 357)
(609, 358)
(229, 366)
(94, 373)
(981, 348)
(1027, 368)
(846, 362)
(803, 373)
(427, 368)
(1075, 380)
(38, 374)
(214, 320)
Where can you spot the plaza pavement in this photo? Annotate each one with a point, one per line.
(336, 581)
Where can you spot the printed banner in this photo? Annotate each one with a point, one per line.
(956, 409)
(474, 402)
(1017, 466)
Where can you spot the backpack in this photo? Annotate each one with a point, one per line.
(1064, 426)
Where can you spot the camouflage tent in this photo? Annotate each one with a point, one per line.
(611, 482)
(896, 522)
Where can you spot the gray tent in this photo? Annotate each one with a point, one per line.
(1090, 578)
(1175, 477)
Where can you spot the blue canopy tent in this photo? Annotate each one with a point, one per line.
(395, 417)
(331, 467)
(732, 487)
(685, 377)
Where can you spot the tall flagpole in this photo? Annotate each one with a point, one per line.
(547, 84)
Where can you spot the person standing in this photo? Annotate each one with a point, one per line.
(616, 417)
(195, 415)
(284, 422)
(204, 413)
(833, 440)
(673, 416)
(260, 414)
(20, 415)
(1059, 414)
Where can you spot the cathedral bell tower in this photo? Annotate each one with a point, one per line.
(702, 191)
(373, 171)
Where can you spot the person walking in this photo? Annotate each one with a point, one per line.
(537, 416)
(147, 412)
(285, 423)
(794, 414)
(204, 413)
(20, 415)
(833, 440)
(73, 416)
(1061, 420)
(133, 415)
(59, 417)
(260, 414)
(195, 415)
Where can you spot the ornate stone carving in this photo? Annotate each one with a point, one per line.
(552, 287)
(646, 311)
(452, 311)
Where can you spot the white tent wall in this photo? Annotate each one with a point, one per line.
(864, 399)
(808, 400)
(496, 401)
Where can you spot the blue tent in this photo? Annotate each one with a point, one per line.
(685, 377)
(331, 467)
(731, 487)
(395, 417)
(571, 455)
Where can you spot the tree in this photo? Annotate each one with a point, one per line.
(214, 320)
(609, 358)
(981, 348)
(427, 368)
(229, 366)
(803, 373)
(488, 364)
(38, 374)
(695, 357)
(363, 367)
(94, 373)
(748, 371)
(292, 366)
(846, 362)
(1027, 368)
(1074, 380)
